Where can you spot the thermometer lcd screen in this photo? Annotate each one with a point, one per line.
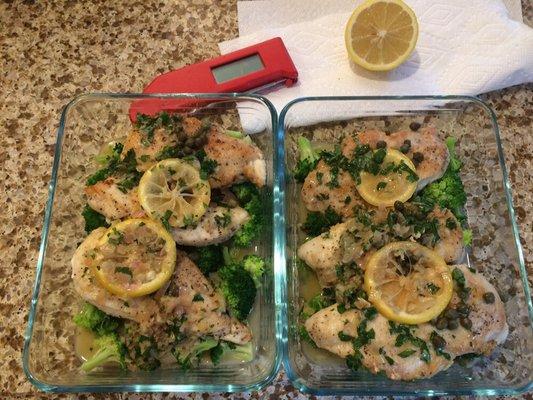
(238, 68)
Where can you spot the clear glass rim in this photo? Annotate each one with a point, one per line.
(44, 241)
(280, 242)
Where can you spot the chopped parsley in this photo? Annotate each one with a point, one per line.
(406, 353)
(223, 220)
(317, 222)
(404, 335)
(115, 237)
(165, 218)
(432, 288)
(93, 219)
(147, 125)
(343, 337)
(124, 270)
(198, 297)
(389, 360)
(381, 185)
(207, 165)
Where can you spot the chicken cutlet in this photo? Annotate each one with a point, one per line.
(404, 361)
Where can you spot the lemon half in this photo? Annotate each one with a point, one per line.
(408, 282)
(134, 257)
(381, 34)
(173, 191)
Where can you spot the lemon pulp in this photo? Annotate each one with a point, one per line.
(172, 191)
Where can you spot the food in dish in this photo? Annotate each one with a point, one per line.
(167, 271)
(385, 232)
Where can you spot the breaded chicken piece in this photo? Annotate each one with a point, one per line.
(216, 226)
(190, 294)
(489, 324)
(489, 328)
(237, 160)
(323, 253)
(325, 325)
(141, 309)
(106, 198)
(146, 152)
(318, 193)
(426, 142)
(450, 246)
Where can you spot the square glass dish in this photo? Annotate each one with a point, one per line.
(49, 356)
(495, 250)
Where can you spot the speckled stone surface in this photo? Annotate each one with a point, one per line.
(51, 51)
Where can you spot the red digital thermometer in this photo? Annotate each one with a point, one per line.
(244, 70)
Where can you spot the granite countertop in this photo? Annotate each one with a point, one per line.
(51, 51)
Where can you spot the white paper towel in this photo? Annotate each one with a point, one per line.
(464, 47)
(262, 14)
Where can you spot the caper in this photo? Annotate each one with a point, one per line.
(451, 314)
(199, 141)
(466, 323)
(187, 149)
(399, 206)
(453, 324)
(381, 144)
(464, 293)
(463, 309)
(438, 342)
(489, 297)
(414, 126)
(418, 157)
(441, 323)
(189, 142)
(404, 148)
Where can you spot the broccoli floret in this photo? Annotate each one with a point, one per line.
(96, 321)
(210, 258)
(93, 219)
(317, 222)
(245, 192)
(255, 265)
(250, 199)
(308, 159)
(186, 357)
(226, 351)
(467, 237)
(239, 290)
(455, 163)
(110, 349)
(448, 192)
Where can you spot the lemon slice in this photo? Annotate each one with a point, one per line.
(381, 34)
(172, 191)
(134, 257)
(408, 282)
(396, 181)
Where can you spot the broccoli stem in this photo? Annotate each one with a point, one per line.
(102, 356)
(306, 150)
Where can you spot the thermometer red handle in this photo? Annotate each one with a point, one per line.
(240, 71)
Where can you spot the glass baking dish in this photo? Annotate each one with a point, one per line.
(49, 357)
(495, 250)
